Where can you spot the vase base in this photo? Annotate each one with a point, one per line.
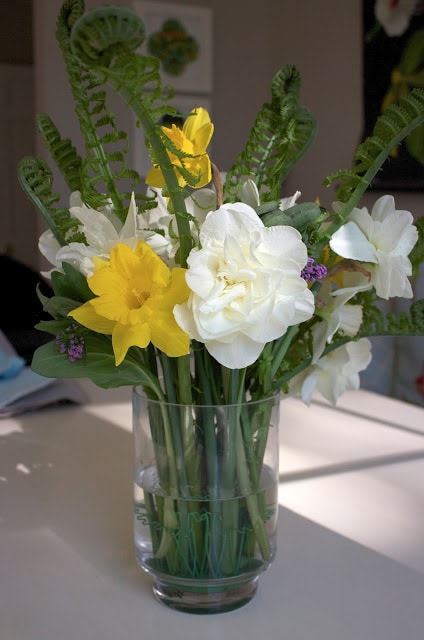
(207, 597)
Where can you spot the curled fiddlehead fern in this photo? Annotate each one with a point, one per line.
(106, 146)
(281, 134)
(106, 33)
(104, 41)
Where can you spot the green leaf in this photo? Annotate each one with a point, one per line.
(53, 326)
(71, 284)
(60, 307)
(415, 144)
(98, 364)
(300, 216)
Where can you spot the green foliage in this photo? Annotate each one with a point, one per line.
(397, 122)
(103, 172)
(71, 284)
(409, 73)
(98, 364)
(63, 152)
(103, 44)
(282, 133)
(100, 51)
(36, 179)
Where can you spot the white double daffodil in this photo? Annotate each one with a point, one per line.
(245, 282)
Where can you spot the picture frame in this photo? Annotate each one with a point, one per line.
(196, 76)
(388, 71)
(184, 104)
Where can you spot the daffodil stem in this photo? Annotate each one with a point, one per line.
(281, 349)
(250, 493)
(230, 508)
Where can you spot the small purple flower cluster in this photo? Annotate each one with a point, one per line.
(71, 343)
(313, 271)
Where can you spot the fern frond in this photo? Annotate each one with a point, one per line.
(409, 323)
(281, 134)
(62, 151)
(36, 179)
(395, 124)
(104, 41)
(105, 165)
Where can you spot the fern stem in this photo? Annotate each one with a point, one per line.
(151, 131)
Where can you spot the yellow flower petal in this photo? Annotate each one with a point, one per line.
(155, 178)
(136, 294)
(169, 337)
(124, 337)
(87, 316)
(202, 139)
(195, 121)
(192, 139)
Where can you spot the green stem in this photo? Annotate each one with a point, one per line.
(250, 495)
(280, 350)
(230, 507)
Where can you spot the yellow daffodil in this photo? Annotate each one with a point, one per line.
(136, 294)
(192, 139)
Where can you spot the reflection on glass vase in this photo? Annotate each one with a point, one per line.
(205, 499)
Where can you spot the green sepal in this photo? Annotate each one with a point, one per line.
(71, 284)
(300, 216)
(54, 326)
(60, 307)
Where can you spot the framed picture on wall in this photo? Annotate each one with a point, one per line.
(183, 104)
(393, 63)
(181, 37)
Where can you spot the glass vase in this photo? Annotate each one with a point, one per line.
(205, 499)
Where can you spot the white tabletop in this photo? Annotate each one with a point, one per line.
(350, 559)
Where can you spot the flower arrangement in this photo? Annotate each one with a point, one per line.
(286, 293)
(209, 288)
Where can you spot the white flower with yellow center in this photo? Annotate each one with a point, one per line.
(245, 283)
(382, 240)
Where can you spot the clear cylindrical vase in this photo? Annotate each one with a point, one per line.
(205, 499)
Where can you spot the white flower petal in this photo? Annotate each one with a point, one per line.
(385, 238)
(334, 373)
(129, 229)
(350, 242)
(246, 285)
(286, 203)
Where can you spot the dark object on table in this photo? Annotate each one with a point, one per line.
(21, 309)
